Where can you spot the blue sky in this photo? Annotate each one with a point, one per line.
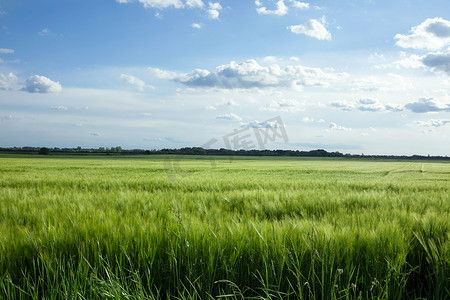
(353, 76)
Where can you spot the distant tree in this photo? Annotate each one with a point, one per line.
(44, 151)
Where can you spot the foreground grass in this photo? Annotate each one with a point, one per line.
(158, 228)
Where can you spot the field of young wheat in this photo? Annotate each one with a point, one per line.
(155, 227)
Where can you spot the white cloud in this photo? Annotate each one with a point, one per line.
(196, 25)
(425, 105)
(281, 10)
(431, 34)
(250, 74)
(6, 51)
(413, 61)
(389, 82)
(284, 106)
(408, 62)
(59, 107)
(438, 62)
(344, 105)
(215, 5)
(433, 123)
(223, 105)
(264, 124)
(195, 3)
(374, 57)
(367, 104)
(43, 32)
(393, 107)
(163, 74)
(41, 84)
(213, 10)
(334, 126)
(312, 28)
(370, 105)
(230, 117)
(270, 59)
(136, 82)
(160, 4)
(299, 4)
(307, 120)
(7, 82)
(213, 14)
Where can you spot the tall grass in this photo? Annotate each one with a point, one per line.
(247, 229)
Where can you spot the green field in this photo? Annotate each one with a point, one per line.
(259, 228)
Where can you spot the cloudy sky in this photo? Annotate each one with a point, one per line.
(368, 77)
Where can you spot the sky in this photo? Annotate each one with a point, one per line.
(365, 76)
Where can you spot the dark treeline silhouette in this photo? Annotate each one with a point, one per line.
(201, 151)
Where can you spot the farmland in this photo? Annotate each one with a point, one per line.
(195, 227)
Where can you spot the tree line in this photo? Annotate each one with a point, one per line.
(201, 151)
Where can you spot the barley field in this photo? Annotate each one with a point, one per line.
(166, 227)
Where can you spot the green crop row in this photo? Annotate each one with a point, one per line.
(164, 227)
